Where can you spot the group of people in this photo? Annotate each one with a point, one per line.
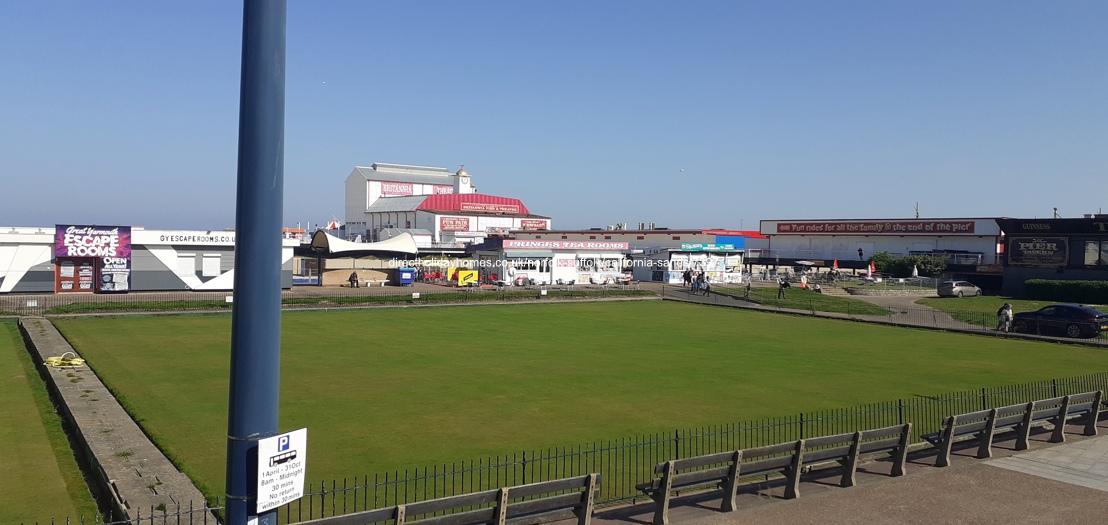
(698, 282)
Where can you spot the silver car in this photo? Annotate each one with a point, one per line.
(958, 289)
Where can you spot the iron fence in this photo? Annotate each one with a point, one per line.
(923, 317)
(626, 462)
(303, 297)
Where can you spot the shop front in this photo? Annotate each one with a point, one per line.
(1054, 249)
(515, 262)
(720, 263)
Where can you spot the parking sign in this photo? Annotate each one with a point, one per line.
(282, 463)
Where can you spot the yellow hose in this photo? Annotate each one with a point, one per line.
(66, 360)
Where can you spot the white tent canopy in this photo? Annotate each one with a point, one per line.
(326, 244)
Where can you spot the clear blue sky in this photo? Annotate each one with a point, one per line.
(126, 112)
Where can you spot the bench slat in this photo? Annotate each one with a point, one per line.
(1043, 415)
(685, 479)
(558, 485)
(882, 432)
(461, 518)
(544, 517)
(536, 506)
(699, 461)
(811, 456)
(837, 439)
(962, 430)
(451, 502)
(765, 465)
(358, 518)
(1082, 398)
(1008, 421)
(879, 445)
(769, 450)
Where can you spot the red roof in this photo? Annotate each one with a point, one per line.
(473, 202)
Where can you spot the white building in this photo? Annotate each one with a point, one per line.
(117, 259)
(438, 208)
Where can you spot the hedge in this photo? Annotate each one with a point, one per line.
(1095, 292)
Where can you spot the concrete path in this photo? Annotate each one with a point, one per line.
(126, 467)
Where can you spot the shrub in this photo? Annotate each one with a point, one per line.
(1066, 291)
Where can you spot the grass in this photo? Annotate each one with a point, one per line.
(797, 298)
(381, 390)
(39, 478)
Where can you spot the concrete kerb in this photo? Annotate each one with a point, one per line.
(128, 471)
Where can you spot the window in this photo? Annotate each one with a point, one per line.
(640, 237)
(1096, 253)
(676, 237)
(592, 236)
(607, 237)
(186, 264)
(211, 265)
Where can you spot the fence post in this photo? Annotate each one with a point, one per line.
(1054, 387)
(802, 425)
(524, 467)
(677, 444)
(984, 405)
(900, 410)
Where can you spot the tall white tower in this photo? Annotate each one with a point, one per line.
(462, 183)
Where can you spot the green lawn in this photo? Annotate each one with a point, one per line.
(39, 479)
(797, 298)
(387, 389)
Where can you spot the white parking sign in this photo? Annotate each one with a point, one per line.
(282, 462)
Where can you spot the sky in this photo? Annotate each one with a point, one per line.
(695, 114)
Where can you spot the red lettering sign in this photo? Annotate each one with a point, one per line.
(877, 228)
(532, 224)
(454, 224)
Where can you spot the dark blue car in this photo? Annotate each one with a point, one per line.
(1071, 320)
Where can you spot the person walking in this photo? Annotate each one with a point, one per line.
(860, 258)
(746, 293)
(1004, 318)
(706, 284)
(781, 286)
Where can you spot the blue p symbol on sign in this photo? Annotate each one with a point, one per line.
(282, 443)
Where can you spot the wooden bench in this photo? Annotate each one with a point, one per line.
(559, 500)
(984, 424)
(726, 468)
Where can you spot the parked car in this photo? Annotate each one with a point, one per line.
(1073, 320)
(958, 289)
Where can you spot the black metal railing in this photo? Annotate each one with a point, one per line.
(626, 462)
(307, 297)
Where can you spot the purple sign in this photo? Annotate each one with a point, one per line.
(109, 245)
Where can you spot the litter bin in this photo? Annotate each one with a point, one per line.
(405, 276)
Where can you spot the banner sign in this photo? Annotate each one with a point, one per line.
(491, 208)
(454, 224)
(532, 224)
(878, 228)
(564, 245)
(689, 247)
(396, 188)
(1038, 251)
(443, 190)
(92, 241)
(110, 246)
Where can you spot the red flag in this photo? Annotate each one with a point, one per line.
(872, 268)
(835, 264)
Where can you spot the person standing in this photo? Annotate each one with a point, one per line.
(860, 258)
(781, 285)
(706, 284)
(746, 293)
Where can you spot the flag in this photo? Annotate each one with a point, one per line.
(835, 264)
(870, 270)
(915, 271)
